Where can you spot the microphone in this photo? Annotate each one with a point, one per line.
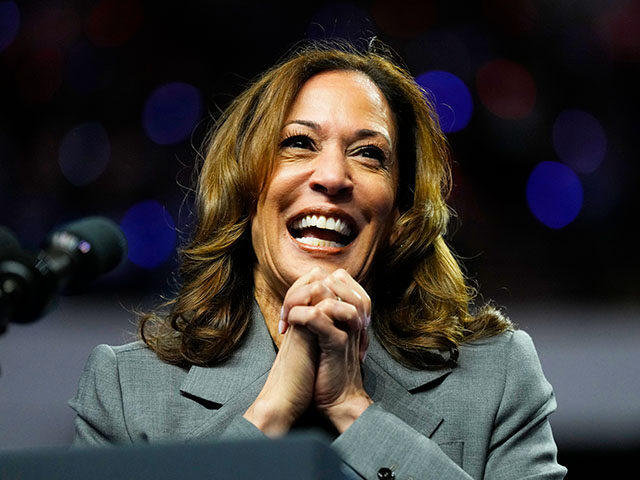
(72, 256)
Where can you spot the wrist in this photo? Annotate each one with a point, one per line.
(343, 414)
(272, 421)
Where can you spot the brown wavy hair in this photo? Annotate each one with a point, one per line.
(421, 299)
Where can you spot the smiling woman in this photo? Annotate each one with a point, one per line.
(318, 291)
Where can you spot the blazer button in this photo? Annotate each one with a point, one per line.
(386, 474)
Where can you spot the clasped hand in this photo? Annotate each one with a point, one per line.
(324, 319)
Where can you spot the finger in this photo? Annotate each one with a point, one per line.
(318, 322)
(304, 295)
(308, 294)
(338, 314)
(346, 294)
(344, 315)
(343, 275)
(316, 273)
(302, 292)
(348, 290)
(364, 344)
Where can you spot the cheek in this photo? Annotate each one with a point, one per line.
(383, 197)
(383, 201)
(271, 204)
(282, 188)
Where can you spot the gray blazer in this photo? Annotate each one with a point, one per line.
(485, 418)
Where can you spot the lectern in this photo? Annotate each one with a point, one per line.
(298, 457)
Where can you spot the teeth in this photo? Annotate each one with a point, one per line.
(330, 223)
(316, 242)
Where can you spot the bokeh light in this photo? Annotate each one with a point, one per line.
(9, 23)
(171, 112)
(343, 21)
(554, 194)
(506, 89)
(114, 22)
(150, 232)
(84, 153)
(451, 99)
(579, 140)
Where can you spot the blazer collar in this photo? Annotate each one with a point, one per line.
(253, 358)
(411, 380)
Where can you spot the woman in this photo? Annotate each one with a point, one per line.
(318, 292)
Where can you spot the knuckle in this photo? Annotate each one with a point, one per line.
(324, 306)
(341, 273)
(342, 338)
(315, 311)
(317, 272)
(317, 289)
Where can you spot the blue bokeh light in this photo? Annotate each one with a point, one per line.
(171, 112)
(9, 23)
(554, 194)
(150, 232)
(451, 98)
(84, 153)
(579, 140)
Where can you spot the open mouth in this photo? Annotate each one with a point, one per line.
(323, 231)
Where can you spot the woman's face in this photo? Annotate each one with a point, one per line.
(330, 201)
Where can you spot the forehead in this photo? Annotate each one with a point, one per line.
(341, 95)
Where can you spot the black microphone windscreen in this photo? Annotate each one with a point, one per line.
(100, 242)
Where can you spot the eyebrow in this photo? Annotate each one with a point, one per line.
(360, 134)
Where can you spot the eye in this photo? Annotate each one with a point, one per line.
(374, 153)
(298, 141)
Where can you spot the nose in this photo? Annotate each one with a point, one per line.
(331, 174)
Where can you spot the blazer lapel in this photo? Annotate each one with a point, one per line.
(393, 386)
(229, 388)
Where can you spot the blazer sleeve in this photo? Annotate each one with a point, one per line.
(521, 446)
(98, 402)
(378, 440)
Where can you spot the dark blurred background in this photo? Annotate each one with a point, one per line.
(104, 105)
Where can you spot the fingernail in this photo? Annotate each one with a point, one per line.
(281, 327)
(282, 313)
(364, 356)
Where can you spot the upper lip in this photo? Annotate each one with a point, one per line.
(327, 211)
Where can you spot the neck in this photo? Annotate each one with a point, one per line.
(270, 305)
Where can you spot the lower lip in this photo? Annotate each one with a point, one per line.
(313, 249)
